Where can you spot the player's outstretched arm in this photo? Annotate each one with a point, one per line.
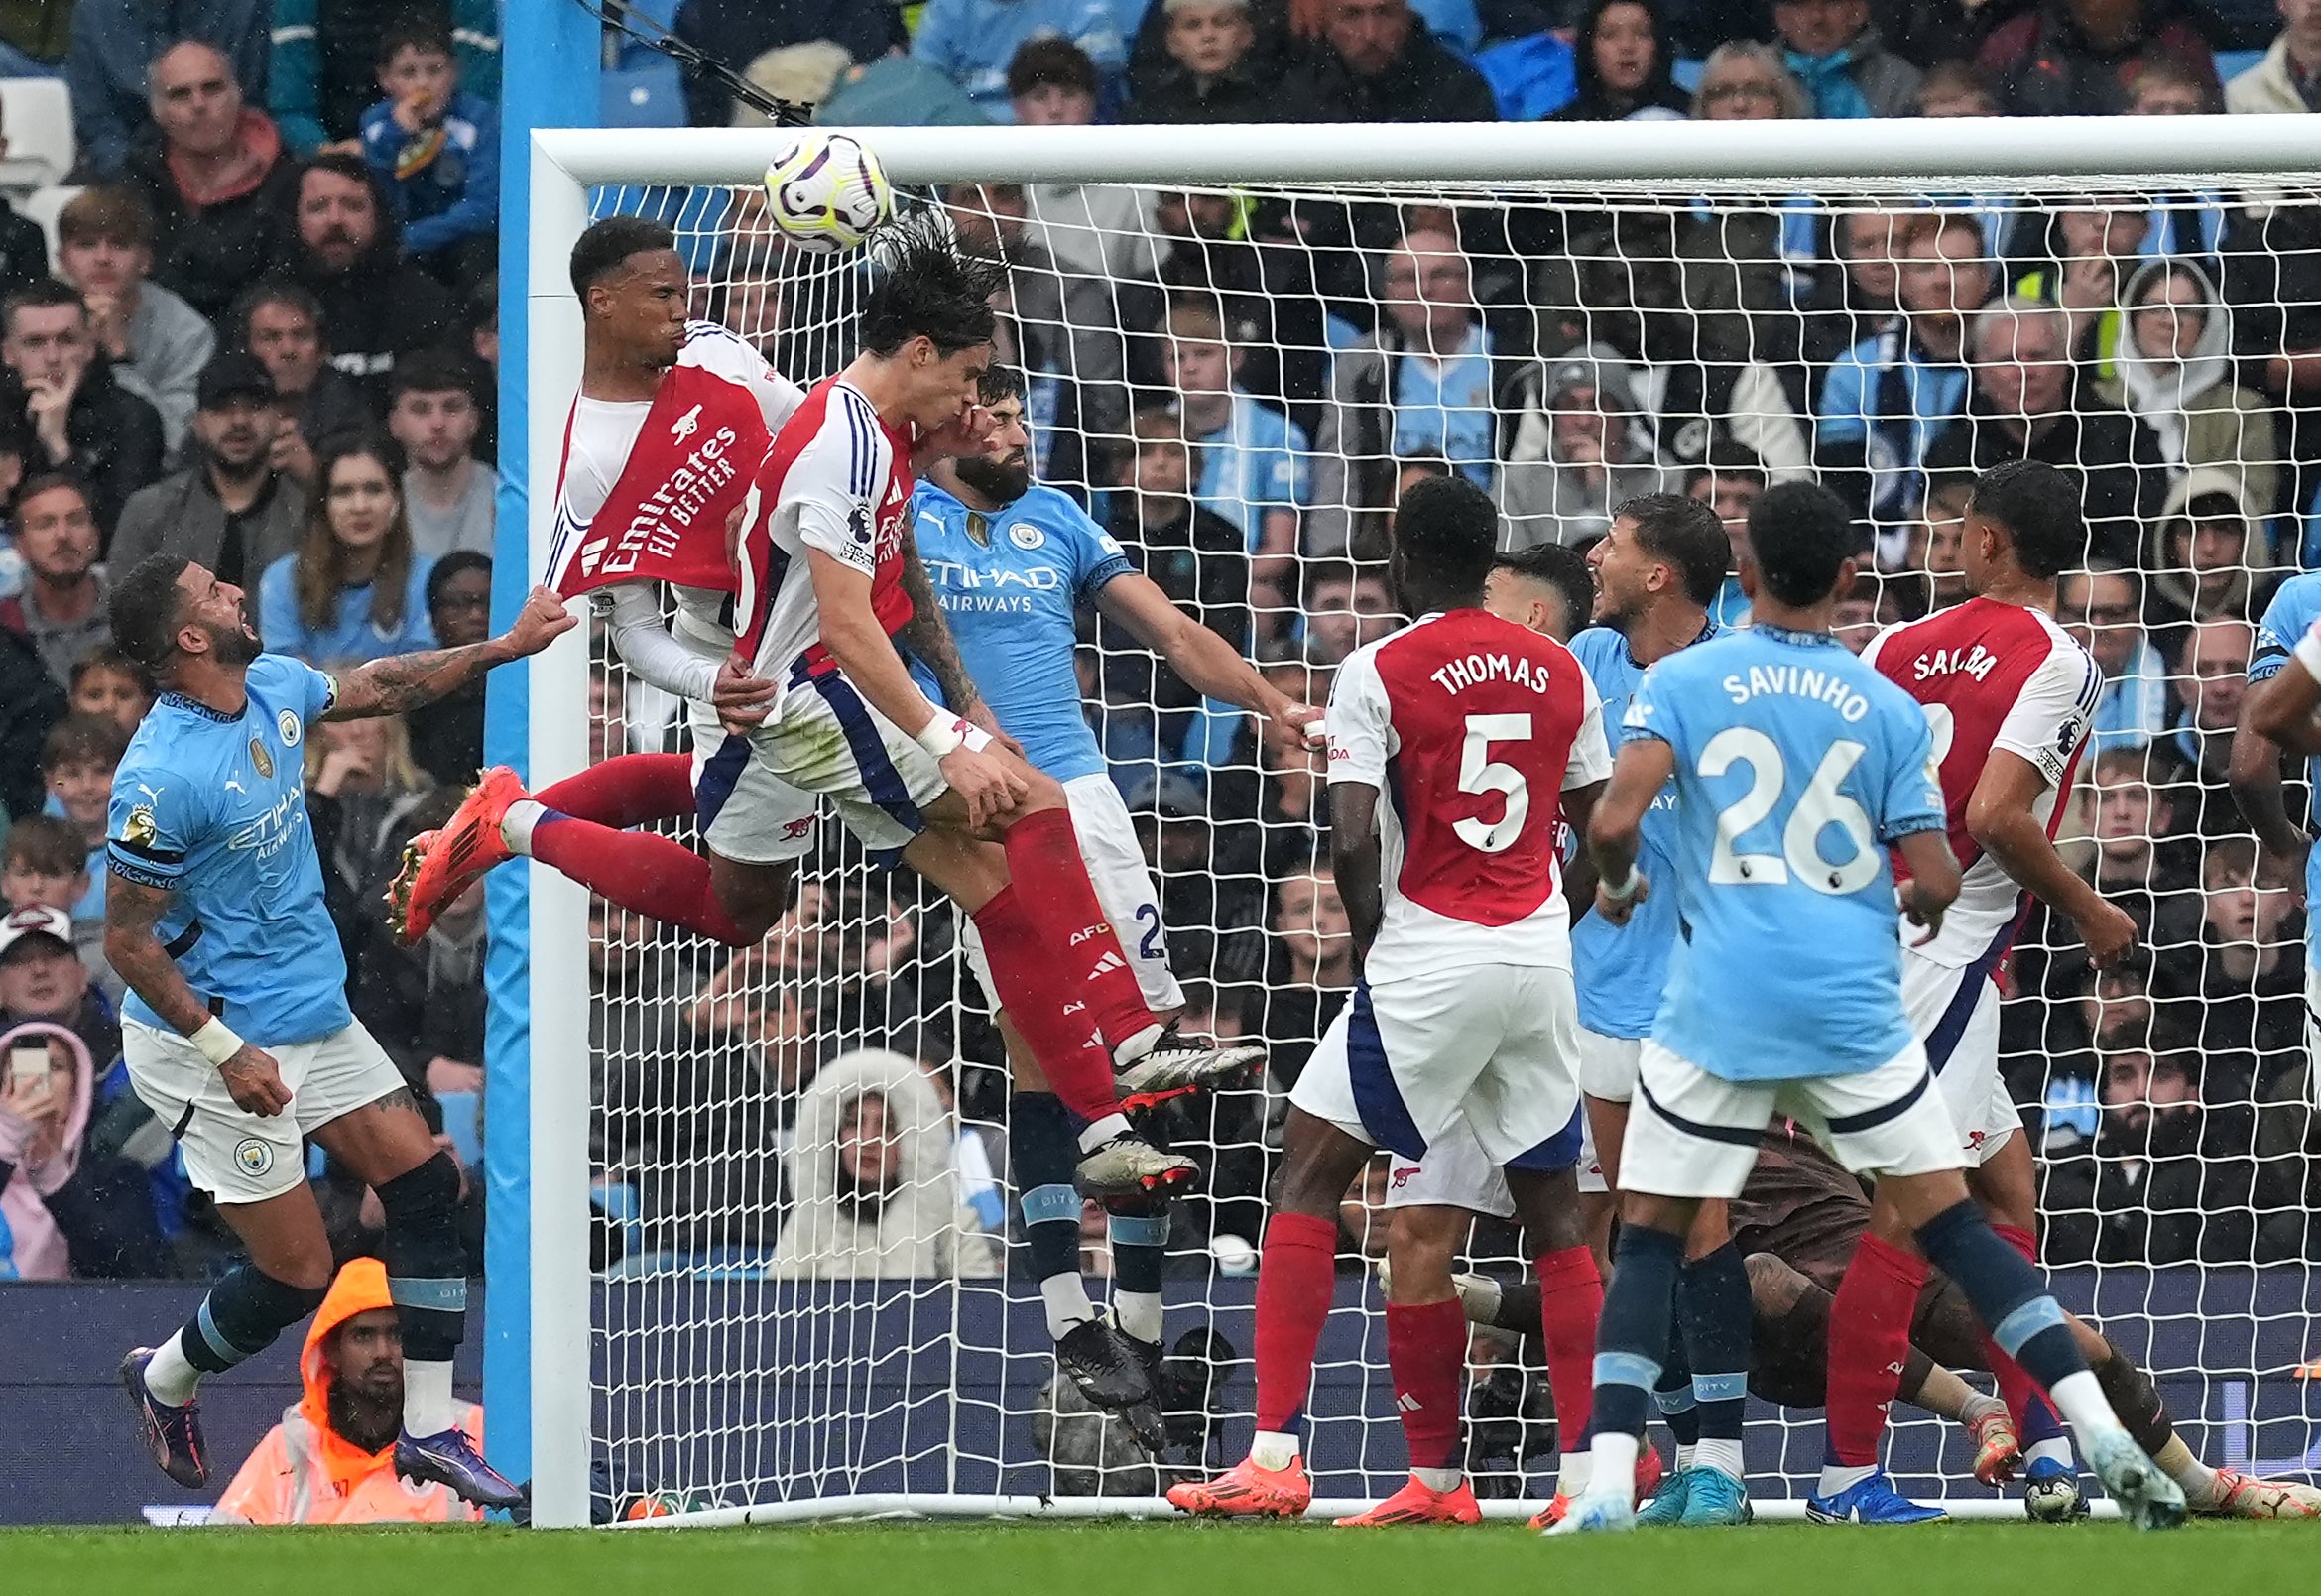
(132, 911)
(2256, 782)
(2282, 709)
(1211, 665)
(407, 681)
(1355, 862)
(2000, 819)
(1616, 821)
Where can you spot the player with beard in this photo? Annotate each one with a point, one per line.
(1010, 564)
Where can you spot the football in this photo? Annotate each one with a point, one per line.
(2056, 1499)
(827, 192)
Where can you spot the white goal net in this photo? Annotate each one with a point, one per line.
(805, 1285)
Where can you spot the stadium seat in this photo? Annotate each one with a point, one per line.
(650, 94)
(40, 151)
(42, 206)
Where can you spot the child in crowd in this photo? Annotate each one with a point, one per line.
(110, 684)
(45, 861)
(77, 763)
(437, 148)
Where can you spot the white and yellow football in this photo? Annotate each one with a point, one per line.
(827, 192)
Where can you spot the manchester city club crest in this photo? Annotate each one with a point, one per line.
(260, 758)
(253, 1157)
(288, 724)
(1023, 534)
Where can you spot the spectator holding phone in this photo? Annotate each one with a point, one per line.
(64, 1210)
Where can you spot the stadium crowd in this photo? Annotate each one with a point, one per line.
(264, 335)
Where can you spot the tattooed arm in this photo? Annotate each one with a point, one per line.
(406, 681)
(927, 637)
(132, 910)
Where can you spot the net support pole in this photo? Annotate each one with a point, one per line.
(535, 1349)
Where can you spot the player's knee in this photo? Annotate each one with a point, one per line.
(422, 1199)
(754, 897)
(1041, 792)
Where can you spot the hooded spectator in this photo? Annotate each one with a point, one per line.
(331, 1459)
(873, 1195)
(157, 342)
(1835, 49)
(85, 422)
(325, 61)
(41, 978)
(2204, 554)
(1581, 451)
(2082, 57)
(213, 177)
(231, 510)
(2289, 78)
(1623, 62)
(2176, 371)
(376, 305)
(114, 43)
(1376, 62)
(66, 1207)
(1209, 61)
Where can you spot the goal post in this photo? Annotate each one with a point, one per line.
(578, 173)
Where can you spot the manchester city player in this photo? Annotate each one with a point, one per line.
(2284, 687)
(236, 1031)
(1796, 767)
(1011, 563)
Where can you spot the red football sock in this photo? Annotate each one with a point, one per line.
(2015, 1387)
(1868, 1340)
(1426, 1353)
(626, 791)
(637, 870)
(1296, 1273)
(1061, 1038)
(1043, 857)
(1571, 1300)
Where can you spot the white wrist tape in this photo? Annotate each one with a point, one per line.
(216, 1040)
(2308, 652)
(942, 736)
(1623, 890)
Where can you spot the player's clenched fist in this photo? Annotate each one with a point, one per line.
(988, 786)
(1616, 910)
(255, 1083)
(540, 622)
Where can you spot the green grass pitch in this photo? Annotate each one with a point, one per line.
(1162, 1559)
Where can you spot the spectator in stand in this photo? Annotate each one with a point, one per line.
(363, 789)
(738, 32)
(1254, 464)
(109, 683)
(2215, 664)
(448, 736)
(1197, 557)
(1346, 606)
(114, 42)
(971, 42)
(2176, 371)
(2101, 607)
(2081, 57)
(450, 498)
(42, 979)
(77, 761)
(331, 1459)
(2138, 861)
(1314, 971)
(156, 342)
(425, 1003)
(231, 510)
(1851, 304)
(1623, 60)
(85, 422)
(1746, 81)
(2030, 403)
(1582, 452)
(1061, 327)
(1955, 88)
(1836, 51)
(2203, 557)
(31, 704)
(282, 324)
(66, 1209)
(1263, 285)
(45, 861)
(2171, 86)
(1886, 400)
(62, 611)
(1925, 550)
(1422, 383)
(1373, 63)
(355, 589)
(214, 178)
(436, 147)
(323, 73)
(1729, 482)
(1212, 69)
(376, 305)
(1102, 229)
(2288, 78)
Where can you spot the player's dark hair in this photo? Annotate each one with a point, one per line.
(600, 250)
(144, 605)
(922, 287)
(1801, 534)
(84, 740)
(1000, 383)
(1562, 567)
(1687, 535)
(45, 845)
(2039, 508)
(1446, 537)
